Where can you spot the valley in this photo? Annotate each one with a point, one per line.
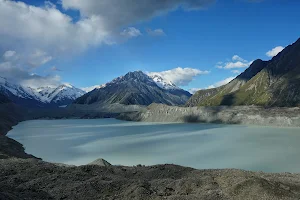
(149, 100)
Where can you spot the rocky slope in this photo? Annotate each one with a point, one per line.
(135, 88)
(248, 115)
(265, 83)
(34, 179)
(3, 99)
(10, 115)
(39, 97)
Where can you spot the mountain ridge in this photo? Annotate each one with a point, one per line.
(265, 83)
(134, 88)
(39, 97)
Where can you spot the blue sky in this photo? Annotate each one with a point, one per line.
(196, 39)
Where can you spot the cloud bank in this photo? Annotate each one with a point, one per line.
(118, 13)
(11, 69)
(236, 62)
(32, 36)
(179, 76)
(275, 51)
(155, 32)
(220, 83)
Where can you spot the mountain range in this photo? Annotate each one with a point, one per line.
(266, 83)
(39, 97)
(136, 88)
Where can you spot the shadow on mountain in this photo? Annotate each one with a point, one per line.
(228, 100)
(212, 115)
(198, 119)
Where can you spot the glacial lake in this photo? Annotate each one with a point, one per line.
(201, 146)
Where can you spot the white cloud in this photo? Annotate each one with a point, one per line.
(54, 68)
(220, 83)
(131, 32)
(237, 62)
(156, 32)
(236, 71)
(274, 51)
(215, 85)
(10, 55)
(194, 90)
(34, 36)
(118, 13)
(238, 58)
(88, 89)
(35, 81)
(39, 35)
(39, 58)
(12, 68)
(25, 78)
(179, 76)
(48, 29)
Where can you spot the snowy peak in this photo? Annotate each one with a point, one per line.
(64, 92)
(136, 88)
(62, 95)
(139, 76)
(163, 83)
(8, 87)
(131, 77)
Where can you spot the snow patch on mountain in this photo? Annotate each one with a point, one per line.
(45, 95)
(163, 83)
(91, 88)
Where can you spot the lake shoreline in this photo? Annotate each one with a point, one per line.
(43, 180)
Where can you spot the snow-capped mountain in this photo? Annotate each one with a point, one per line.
(136, 88)
(65, 94)
(42, 97)
(160, 82)
(163, 83)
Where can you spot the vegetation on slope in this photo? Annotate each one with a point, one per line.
(264, 83)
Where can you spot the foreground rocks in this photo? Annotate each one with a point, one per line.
(247, 115)
(23, 176)
(35, 179)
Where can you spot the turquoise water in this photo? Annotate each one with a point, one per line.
(200, 146)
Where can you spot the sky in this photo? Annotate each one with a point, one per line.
(196, 44)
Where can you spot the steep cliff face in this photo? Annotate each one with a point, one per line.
(135, 88)
(216, 95)
(267, 83)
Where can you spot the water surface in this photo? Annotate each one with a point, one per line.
(201, 146)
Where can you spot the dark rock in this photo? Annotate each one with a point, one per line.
(100, 162)
(135, 88)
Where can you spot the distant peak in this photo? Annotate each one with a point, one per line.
(162, 82)
(67, 85)
(136, 75)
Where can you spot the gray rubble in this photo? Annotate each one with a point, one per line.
(246, 115)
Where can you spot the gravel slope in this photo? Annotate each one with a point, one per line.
(34, 179)
(247, 115)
